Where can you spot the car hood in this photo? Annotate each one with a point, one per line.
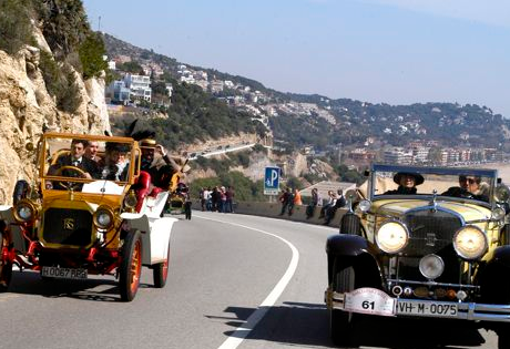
(399, 207)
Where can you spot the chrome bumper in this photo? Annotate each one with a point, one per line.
(466, 311)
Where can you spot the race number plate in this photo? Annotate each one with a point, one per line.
(64, 273)
(432, 309)
(369, 301)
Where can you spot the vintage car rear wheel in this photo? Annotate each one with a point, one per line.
(130, 266)
(5, 269)
(160, 271)
(341, 322)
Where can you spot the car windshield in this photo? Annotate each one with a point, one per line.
(86, 164)
(475, 184)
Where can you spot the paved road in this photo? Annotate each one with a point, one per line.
(228, 273)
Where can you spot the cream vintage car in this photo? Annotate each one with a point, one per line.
(439, 251)
(81, 219)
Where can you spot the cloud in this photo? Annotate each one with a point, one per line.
(492, 12)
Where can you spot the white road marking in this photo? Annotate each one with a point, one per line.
(237, 337)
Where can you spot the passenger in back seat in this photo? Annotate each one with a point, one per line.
(161, 172)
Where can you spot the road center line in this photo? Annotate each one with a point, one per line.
(240, 333)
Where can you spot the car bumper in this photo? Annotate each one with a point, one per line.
(383, 305)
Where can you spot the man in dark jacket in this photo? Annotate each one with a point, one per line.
(160, 175)
(75, 158)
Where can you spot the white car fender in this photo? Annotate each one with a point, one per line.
(156, 233)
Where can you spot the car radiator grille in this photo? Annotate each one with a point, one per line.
(67, 227)
(431, 232)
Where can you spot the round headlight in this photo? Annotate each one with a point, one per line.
(24, 211)
(130, 201)
(502, 193)
(103, 218)
(364, 206)
(498, 213)
(392, 237)
(470, 242)
(431, 266)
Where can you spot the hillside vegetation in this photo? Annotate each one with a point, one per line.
(353, 121)
(74, 46)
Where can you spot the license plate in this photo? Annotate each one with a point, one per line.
(369, 301)
(433, 309)
(64, 273)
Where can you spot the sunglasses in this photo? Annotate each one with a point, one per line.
(469, 180)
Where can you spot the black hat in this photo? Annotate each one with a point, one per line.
(120, 147)
(418, 178)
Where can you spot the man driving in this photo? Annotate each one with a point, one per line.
(75, 158)
(470, 187)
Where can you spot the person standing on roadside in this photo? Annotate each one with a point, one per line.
(285, 199)
(297, 198)
(229, 204)
(316, 201)
(201, 195)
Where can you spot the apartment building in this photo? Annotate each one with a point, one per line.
(139, 86)
(398, 156)
(118, 92)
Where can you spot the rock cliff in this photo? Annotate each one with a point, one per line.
(27, 110)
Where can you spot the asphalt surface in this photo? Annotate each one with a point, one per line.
(235, 281)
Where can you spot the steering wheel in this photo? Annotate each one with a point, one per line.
(81, 173)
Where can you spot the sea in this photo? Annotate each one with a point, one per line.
(503, 170)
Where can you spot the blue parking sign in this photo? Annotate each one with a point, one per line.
(271, 180)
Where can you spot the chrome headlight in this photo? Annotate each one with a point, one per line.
(470, 242)
(103, 217)
(498, 213)
(130, 201)
(431, 266)
(364, 206)
(25, 211)
(392, 237)
(502, 193)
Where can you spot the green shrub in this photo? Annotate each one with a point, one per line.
(60, 83)
(64, 25)
(91, 53)
(15, 26)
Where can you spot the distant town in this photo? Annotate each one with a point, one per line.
(135, 90)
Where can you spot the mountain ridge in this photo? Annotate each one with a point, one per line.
(297, 120)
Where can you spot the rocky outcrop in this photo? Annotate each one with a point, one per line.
(27, 110)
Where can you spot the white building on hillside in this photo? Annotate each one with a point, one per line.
(140, 86)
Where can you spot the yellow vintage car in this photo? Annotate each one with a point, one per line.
(422, 242)
(87, 214)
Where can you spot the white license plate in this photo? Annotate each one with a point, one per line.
(64, 273)
(369, 301)
(419, 308)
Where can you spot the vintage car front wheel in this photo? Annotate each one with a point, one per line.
(130, 266)
(160, 271)
(5, 268)
(341, 322)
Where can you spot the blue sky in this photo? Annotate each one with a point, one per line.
(391, 51)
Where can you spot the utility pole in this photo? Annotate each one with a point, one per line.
(99, 25)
